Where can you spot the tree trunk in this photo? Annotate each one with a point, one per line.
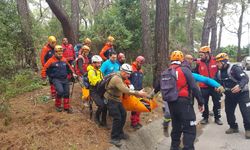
(62, 16)
(189, 25)
(75, 17)
(239, 32)
(161, 37)
(146, 38)
(210, 25)
(27, 40)
(222, 13)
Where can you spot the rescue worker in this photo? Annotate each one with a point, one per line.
(206, 66)
(235, 81)
(58, 69)
(82, 61)
(108, 48)
(68, 51)
(136, 79)
(110, 66)
(46, 53)
(88, 42)
(181, 110)
(115, 88)
(95, 76)
(121, 59)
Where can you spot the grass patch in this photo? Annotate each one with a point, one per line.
(21, 82)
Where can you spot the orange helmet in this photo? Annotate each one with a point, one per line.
(177, 56)
(221, 57)
(87, 41)
(205, 49)
(111, 38)
(85, 47)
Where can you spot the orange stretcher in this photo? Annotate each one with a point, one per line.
(133, 103)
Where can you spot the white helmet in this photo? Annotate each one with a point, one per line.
(126, 68)
(96, 58)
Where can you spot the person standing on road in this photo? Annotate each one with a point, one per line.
(235, 81)
(181, 109)
(115, 88)
(206, 66)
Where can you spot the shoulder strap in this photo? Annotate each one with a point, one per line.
(229, 73)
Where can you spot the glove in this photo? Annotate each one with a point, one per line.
(151, 94)
(220, 89)
(131, 87)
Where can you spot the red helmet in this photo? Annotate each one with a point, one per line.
(121, 56)
(140, 59)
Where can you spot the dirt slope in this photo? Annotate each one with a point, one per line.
(36, 125)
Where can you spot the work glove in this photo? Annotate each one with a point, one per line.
(220, 89)
(151, 94)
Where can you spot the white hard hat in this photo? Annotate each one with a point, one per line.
(96, 58)
(126, 68)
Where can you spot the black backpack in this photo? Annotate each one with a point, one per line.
(102, 85)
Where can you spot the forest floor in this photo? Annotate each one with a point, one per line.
(34, 124)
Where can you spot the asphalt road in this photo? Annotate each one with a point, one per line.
(213, 137)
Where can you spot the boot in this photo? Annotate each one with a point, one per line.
(59, 109)
(58, 102)
(204, 121)
(124, 136)
(97, 117)
(247, 134)
(116, 142)
(232, 130)
(218, 121)
(69, 110)
(165, 131)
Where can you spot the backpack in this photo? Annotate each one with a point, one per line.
(169, 89)
(102, 85)
(230, 76)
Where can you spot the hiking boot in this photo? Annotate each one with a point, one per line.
(204, 121)
(231, 131)
(69, 111)
(247, 134)
(116, 142)
(165, 131)
(59, 109)
(218, 121)
(137, 126)
(124, 136)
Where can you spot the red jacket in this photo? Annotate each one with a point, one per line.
(55, 68)
(104, 49)
(68, 52)
(208, 70)
(182, 85)
(46, 53)
(81, 68)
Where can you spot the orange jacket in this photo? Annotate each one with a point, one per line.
(106, 47)
(46, 54)
(55, 68)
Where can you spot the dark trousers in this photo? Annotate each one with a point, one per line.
(62, 87)
(119, 114)
(101, 112)
(231, 101)
(206, 92)
(183, 121)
